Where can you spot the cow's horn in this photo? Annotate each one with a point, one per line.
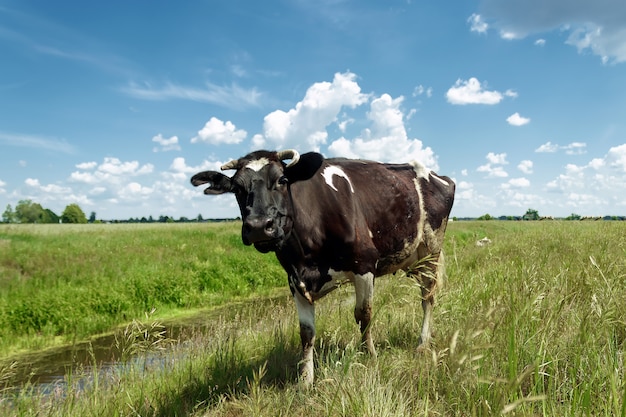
(289, 154)
(230, 165)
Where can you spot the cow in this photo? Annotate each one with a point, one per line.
(332, 221)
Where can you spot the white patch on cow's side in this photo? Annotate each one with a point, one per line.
(257, 164)
(332, 170)
(369, 232)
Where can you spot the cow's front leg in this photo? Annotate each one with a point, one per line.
(364, 289)
(306, 315)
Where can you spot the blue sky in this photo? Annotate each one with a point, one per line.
(114, 105)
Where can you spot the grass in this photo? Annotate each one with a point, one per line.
(60, 283)
(531, 325)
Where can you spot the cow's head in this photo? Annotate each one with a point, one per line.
(261, 184)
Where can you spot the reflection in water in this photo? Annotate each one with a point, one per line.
(51, 370)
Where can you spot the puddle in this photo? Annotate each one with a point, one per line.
(46, 371)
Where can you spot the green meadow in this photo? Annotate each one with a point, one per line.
(533, 324)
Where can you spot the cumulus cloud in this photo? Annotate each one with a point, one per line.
(516, 120)
(605, 175)
(598, 27)
(574, 148)
(547, 147)
(87, 165)
(165, 144)
(516, 183)
(472, 92)
(306, 123)
(616, 158)
(493, 168)
(386, 139)
(110, 170)
(216, 131)
(477, 24)
(526, 166)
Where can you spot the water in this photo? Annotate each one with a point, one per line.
(50, 370)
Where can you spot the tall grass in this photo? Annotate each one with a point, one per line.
(533, 324)
(60, 283)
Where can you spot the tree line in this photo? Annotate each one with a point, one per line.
(27, 211)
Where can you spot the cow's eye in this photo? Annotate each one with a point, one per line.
(282, 181)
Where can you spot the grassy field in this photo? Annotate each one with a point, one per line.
(532, 324)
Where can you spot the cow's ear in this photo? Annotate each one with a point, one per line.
(218, 182)
(305, 168)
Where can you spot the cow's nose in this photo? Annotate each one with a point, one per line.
(258, 229)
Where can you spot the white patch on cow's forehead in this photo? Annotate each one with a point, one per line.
(257, 164)
(331, 170)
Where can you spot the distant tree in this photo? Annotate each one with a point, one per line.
(150, 219)
(199, 218)
(92, 217)
(73, 214)
(50, 216)
(573, 216)
(28, 212)
(531, 215)
(9, 215)
(485, 217)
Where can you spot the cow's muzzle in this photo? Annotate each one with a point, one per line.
(259, 231)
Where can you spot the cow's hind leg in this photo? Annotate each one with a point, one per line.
(364, 289)
(306, 315)
(430, 273)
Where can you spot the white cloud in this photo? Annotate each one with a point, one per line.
(477, 24)
(110, 170)
(305, 124)
(497, 158)
(516, 183)
(87, 165)
(421, 90)
(170, 144)
(598, 27)
(516, 120)
(547, 147)
(493, 168)
(605, 176)
(134, 191)
(616, 158)
(574, 148)
(540, 42)
(471, 92)
(493, 171)
(37, 142)
(232, 96)
(526, 166)
(216, 131)
(387, 139)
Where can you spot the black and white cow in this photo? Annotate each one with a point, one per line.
(330, 221)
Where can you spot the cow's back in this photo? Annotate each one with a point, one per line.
(376, 211)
